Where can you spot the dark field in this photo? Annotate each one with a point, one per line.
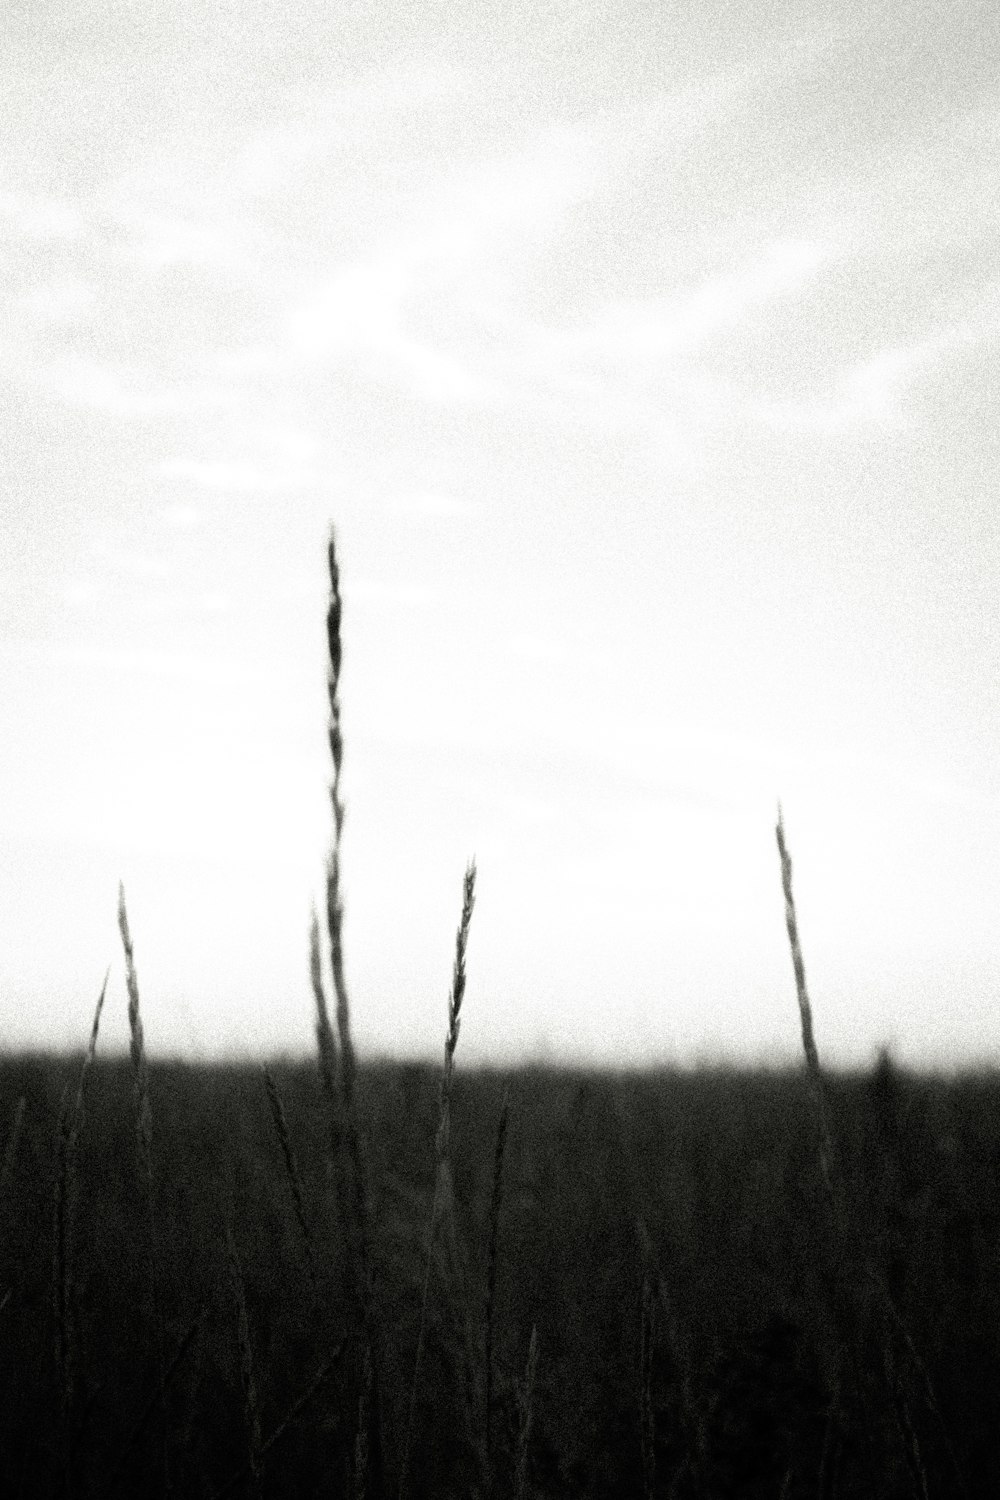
(708, 1324)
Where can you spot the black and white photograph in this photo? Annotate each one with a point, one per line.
(499, 750)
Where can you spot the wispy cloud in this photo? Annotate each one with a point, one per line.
(160, 241)
(181, 516)
(375, 593)
(431, 505)
(681, 322)
(878, 391)
(359, 314)
(41, 218)
(231, 476)
(59, 302)
(140, 662)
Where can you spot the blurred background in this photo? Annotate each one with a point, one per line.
(645, 364)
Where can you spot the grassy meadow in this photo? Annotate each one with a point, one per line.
(362, 1278)
(662, 1242)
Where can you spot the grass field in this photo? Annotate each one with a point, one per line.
(697, 1329)
(386, 1280)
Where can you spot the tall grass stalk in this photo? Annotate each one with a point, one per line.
(442, 1144)
(527, 1418)
(855, 1286)
(334, 900)
(64, 1245)
(362, 1442)
(287, 1422)
(153, 1406)
(492, 1263)
(349, 1161)
(335, 903)
(144, 1143)
(326, 1042)
(248, 1374)
(647, 1421)
(814, 1073)
(13, 1141)
(347, 1063)
(658, 1326)
(292, 1173)
(87, 1064)
(61, 1295)
(137, 1049)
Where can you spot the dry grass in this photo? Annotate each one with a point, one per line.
(492, 1267)
(248, 1372)
(137, 1048)
(349, 1162)
(647, 1415)
(64, 1234)
(144, 1145)
(13, 1141)
(468, 1376)
(326, 1043)
(292, 1174)
(441, 1201)
(862, 1303)
(813, 1070)
(527, 1418)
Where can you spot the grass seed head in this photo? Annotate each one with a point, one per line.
(137, 1047)
(455, 1011)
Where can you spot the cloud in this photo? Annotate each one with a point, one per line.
(126, 562)
(40, 218)
(358, 315)
(272, 458)
(875, 391)
(159, 241)
(119, 390)
(232, 476)
(429, 505)
(60, 302)
(141, 662)
(682, 322)
(182, 517)
(374, 593)
(541, 650)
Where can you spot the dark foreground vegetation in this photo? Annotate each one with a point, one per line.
(380, 1282)
(642, 1287)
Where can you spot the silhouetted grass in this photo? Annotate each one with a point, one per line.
(728, 1390)
(362, 1278)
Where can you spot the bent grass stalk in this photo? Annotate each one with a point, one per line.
(442, 1144)
(152, 1406)
(287, 1421)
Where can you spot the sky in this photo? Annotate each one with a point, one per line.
(644, 358)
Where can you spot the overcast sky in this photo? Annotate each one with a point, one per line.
(645, 358)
